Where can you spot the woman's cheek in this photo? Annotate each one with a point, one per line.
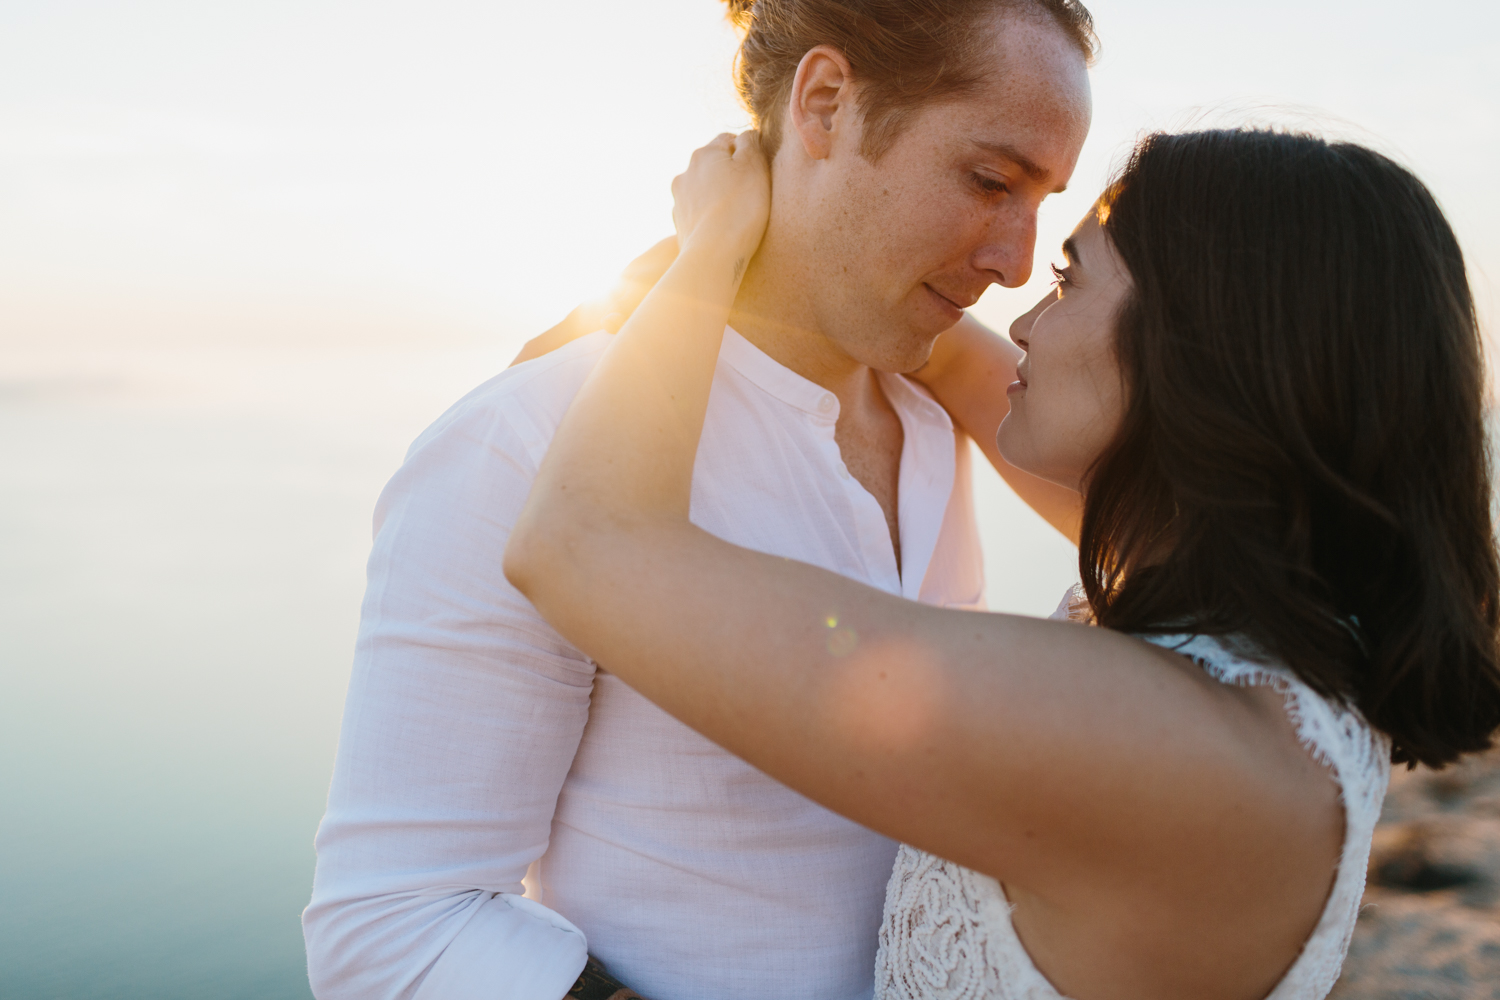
(1034, 434)
(1012, 437)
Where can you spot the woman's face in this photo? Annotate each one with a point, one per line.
(1069, 397)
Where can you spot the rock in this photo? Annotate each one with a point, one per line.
(1429, 928)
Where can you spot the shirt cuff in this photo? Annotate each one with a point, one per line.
(512, 947)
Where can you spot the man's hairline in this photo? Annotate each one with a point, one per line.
(1002, 11)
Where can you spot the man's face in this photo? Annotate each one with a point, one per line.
(899, 247)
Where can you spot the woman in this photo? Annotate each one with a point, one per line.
(1261, 371)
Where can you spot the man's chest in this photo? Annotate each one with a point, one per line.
(871, 446)
(786, 489)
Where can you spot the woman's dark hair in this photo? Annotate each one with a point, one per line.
(904, 52)
(1303, 457)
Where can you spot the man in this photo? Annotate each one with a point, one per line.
(482, 757)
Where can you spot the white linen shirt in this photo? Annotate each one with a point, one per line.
(480, 750)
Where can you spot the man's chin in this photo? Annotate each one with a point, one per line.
(906, 361)
(896, 350)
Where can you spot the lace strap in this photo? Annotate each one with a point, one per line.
(1335, 733)
(1359, 759)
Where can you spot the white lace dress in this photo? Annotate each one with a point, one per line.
(947, 933)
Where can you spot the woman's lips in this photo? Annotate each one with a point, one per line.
(1019, 385)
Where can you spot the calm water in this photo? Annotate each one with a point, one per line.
(183, 539)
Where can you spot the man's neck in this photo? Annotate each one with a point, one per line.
(774, 313)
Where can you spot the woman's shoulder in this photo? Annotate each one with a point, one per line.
(1330, 729)
(1237, 659)
(1357, 756)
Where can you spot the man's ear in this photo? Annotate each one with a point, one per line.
(823, 86)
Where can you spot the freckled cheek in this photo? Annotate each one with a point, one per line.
(974, 225)
(941, 226)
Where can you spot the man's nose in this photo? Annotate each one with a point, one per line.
(1009, 247)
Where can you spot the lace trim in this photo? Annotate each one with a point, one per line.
(947, 932)
(1359, 760)
(944, 936)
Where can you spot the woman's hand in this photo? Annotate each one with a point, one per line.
(723, 201)
(624, 454)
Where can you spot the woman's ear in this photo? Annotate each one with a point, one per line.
(824, 85)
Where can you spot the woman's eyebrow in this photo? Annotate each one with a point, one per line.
(1070, 250)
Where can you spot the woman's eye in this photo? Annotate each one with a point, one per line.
(1059, 275)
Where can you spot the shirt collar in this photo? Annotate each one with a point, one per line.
(912, 397)
(928, 459)
(776, 378)
(804, 394)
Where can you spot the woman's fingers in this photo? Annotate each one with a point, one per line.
(720, 147)
(747, 145)
(723, 197)
(722, 201)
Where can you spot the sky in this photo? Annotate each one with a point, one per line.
(330, 173)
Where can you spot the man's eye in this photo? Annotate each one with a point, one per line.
(989, 185)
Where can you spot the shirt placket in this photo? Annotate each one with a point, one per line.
(872, 533)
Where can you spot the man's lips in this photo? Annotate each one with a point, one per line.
(959, 304)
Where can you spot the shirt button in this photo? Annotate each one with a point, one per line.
(827, 403)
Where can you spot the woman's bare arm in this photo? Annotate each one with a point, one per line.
(970, 367)
(1043, 753)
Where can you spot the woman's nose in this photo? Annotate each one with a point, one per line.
(1020, 330)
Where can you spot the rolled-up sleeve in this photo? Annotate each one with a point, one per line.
(464, 714)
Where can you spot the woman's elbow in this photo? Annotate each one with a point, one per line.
(569, 552)
(531, 552)
(552, 548)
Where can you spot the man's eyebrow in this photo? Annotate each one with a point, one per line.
(1028, 166)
